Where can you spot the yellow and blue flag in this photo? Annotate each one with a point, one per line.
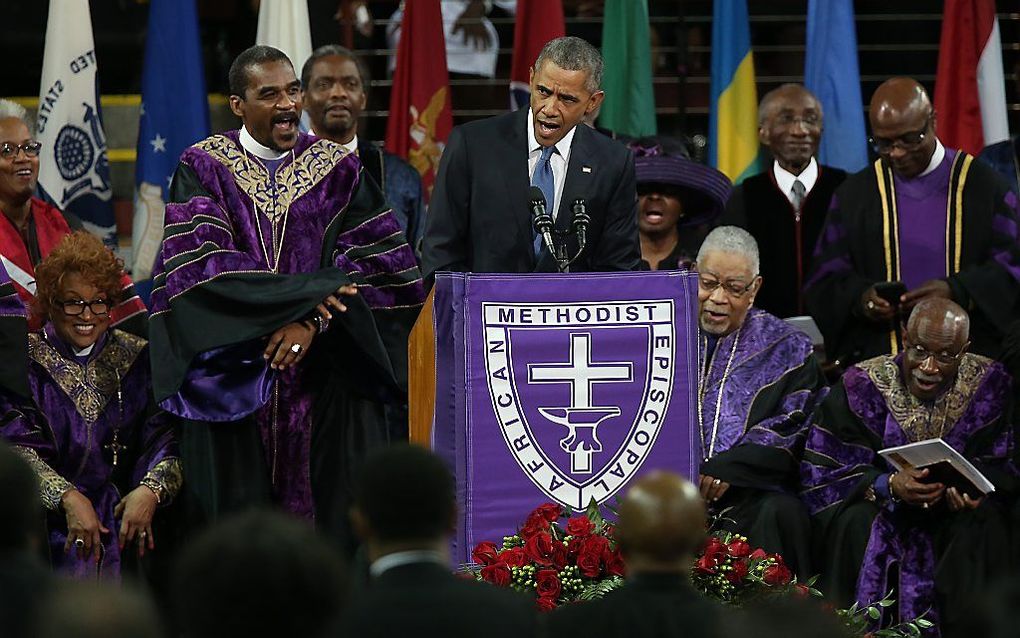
(733, 111)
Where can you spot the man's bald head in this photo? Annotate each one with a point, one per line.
(777, 97)
(903, 125)
(935, 313)
(936, 338)
(662, 523)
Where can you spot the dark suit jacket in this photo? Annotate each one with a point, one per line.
(479, 219)
(424, 599)
(652, 606)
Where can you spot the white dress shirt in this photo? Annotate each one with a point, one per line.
(251, 145)
(936, 158)
(785, 179)
(397, 559)
(558, 160)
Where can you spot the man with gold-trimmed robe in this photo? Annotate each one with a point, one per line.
(923, 215)
(759, 384)
(879, 529)
(280, 309)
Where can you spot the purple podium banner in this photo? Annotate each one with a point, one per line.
(561, 387)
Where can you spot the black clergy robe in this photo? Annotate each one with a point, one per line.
(863, 240)
(250, 245)
(932, 558)
(759, 385)
(786, 237)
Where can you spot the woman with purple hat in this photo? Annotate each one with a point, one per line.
(679, 201)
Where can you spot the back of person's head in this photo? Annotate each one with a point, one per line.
(19, 501)
(405, 494)
(661, 523)
(258, 573)
(94, 610)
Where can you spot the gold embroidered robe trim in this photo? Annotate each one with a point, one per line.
(91, 386)
(164, 479)
(921, 420)
(292, 180)
(52, 486)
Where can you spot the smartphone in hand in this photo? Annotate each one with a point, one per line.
(891, 291)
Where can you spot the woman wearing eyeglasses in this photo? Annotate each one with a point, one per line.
(105, 458)
(30, 227)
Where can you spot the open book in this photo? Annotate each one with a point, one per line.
(944, 464)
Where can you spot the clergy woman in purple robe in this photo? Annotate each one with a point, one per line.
(106, 461)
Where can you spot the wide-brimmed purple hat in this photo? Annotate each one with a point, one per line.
(653, 166)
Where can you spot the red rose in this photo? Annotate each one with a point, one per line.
(580, 526)
(758, 554)
(715, 548)
(738, 571)
(615, 565)
(738, 549)
(547, 584)
(535, 524)
(549, 511)
(574, 546)
(609, 531)
(513, 557)
(802, 590)
(778, 574)
(485, 553)
(545, 604)
(539, 548)
(706, 565)
(559, 555)
(590, 557)
(497, 574)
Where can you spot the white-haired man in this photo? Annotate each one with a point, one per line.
(760, 381)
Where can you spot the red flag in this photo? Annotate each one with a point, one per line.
(420, 114)
(970, 92)
(537, 22)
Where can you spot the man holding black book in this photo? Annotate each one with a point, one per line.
(881, 529)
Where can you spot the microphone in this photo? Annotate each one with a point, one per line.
(580, 221)
(541, 221)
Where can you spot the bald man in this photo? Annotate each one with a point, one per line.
(784, 207)
(881, 529)
(925, 221)
(661, 525)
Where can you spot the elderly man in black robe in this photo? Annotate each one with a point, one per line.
(934, 545)
(925, 221)
(760, 381)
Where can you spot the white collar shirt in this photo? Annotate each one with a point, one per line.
(558, 161)
(785, 179)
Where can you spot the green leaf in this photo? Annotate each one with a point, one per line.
(874, 613)
(924, 624)
(598, 589)
(886, 603)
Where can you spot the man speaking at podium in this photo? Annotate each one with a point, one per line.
(480, 217)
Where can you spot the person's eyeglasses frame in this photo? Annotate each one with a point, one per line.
(883, 146)
(10, 150)
(81, 305)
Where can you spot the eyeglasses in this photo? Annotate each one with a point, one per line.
(9, 150)
(788, 119)
(734, 289)
(75, 307)
(905, 142)
(920, 354)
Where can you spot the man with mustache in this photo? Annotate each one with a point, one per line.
(924, 217)
(259, 342)
(759, 383)
(934, 546)
(335, 86)
(784, 207)
(479, 216)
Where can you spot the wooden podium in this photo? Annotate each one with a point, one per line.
(421, 374)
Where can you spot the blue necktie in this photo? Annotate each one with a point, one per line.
(543, 178)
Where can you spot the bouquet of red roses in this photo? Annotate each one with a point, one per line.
(730, 571)
(558, 557)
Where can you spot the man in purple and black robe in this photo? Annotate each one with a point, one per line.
(267, 227)
(878, 529)
(925, 215)
(760, 382)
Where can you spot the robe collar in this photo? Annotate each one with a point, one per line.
(936, 158)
